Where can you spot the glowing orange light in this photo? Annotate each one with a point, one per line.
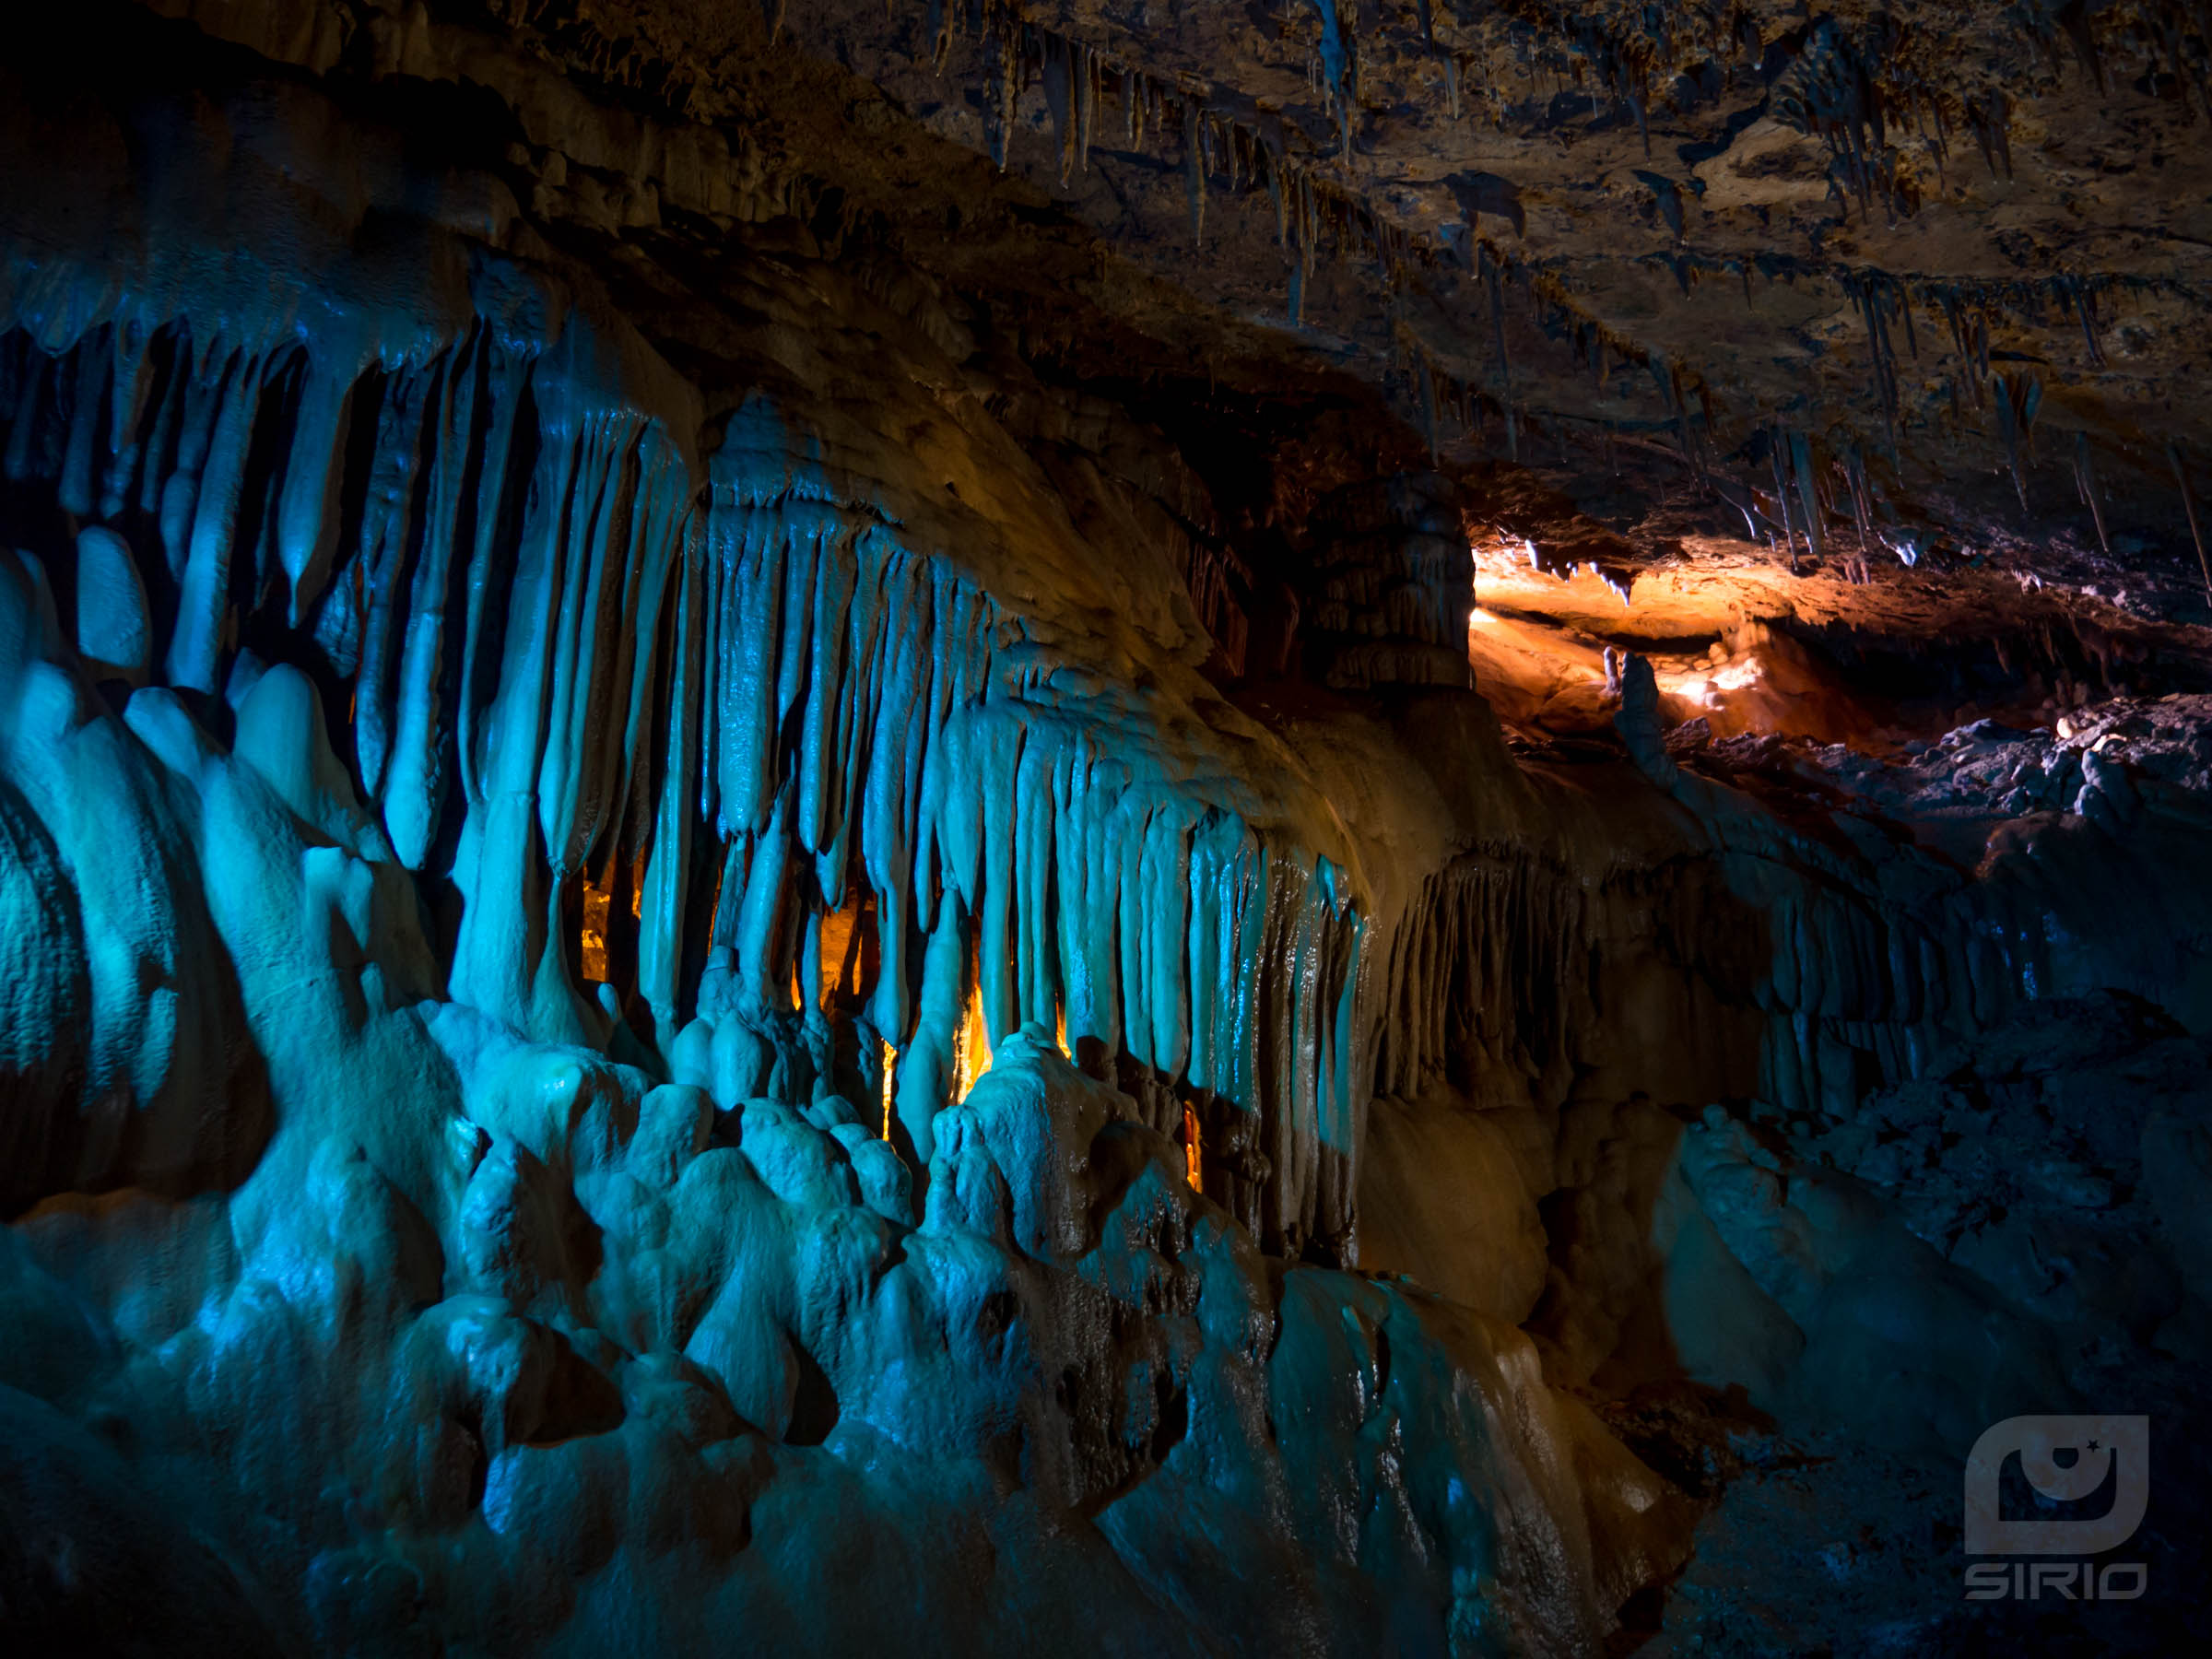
(890, 1067)
(841, 949)
(1504, 550)
(1190, 1148)
(1703, 682)
(971, 1046)
(1060, 1032)
(591, 944)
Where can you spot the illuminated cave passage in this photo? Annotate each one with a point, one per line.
(1007, 830)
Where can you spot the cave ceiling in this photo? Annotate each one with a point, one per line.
(1956, 256)
(922, 827)
(1951, 260)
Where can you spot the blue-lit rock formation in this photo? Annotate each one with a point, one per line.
(691, 962)
(459, 1298)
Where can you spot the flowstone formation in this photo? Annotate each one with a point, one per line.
(756, 893)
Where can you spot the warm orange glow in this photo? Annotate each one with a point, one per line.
(1504, 550)
(591, 944)
(971, 1046)
(1060, 1032)
(1191, 1149)
(798, 993)
(1536, 638)
(891, 1068)
(841, 949)
(1702, 684)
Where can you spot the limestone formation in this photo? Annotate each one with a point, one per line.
(1017, 828)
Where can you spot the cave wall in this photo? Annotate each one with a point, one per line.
(751, 681)
(388, 607)
(456, 675)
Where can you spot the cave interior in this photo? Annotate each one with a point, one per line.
(1034, 826)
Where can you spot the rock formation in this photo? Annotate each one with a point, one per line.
(1032, 829)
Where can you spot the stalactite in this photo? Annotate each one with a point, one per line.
(2019, 398)
(1991, 118)
(1877, 295)
(1063, 100)
(2084, 484)
(1862, 509)
(1494, 276)
(574, 672)
(1193, 165)
(1002, 87)
(1091, 86)
(1801, 459)
(2176, 459)
(1485, 962)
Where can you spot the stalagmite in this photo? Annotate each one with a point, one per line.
(112, 629)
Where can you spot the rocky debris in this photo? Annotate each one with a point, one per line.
(2096, 763)
(2034, 1156)
(2043, 1170)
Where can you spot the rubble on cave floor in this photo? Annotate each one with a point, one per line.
(1953, 789)
(2061, 1157)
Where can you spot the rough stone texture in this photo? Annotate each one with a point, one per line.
(751, 891)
